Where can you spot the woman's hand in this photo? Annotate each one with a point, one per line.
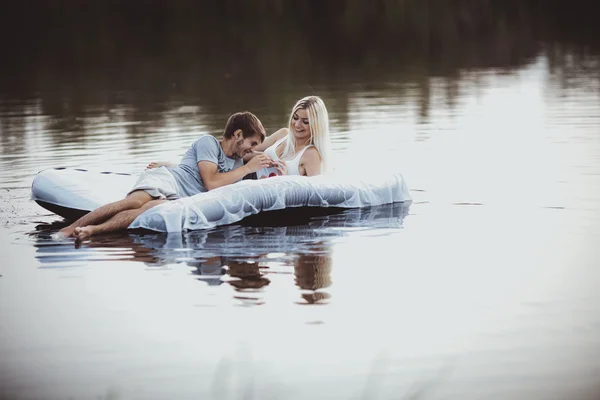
(281, 167)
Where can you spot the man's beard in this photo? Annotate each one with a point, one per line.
(238, 148)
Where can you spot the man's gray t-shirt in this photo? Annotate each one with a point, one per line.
(187, 173)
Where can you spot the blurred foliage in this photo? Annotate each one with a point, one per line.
(231, 54)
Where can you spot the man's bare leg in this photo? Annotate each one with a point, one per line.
(117, 222)
(134, 200)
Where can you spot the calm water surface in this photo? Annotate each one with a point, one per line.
(487, 286)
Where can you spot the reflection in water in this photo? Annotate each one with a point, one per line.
(244, 255)
(313, 272)
(249, 274)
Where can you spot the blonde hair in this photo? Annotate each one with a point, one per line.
(318, 119)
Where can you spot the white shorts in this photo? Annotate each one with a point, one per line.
(158, 183)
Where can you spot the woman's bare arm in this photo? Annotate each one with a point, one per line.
(272, 139)
(311, 162)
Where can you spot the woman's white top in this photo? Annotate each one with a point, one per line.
(293, 165)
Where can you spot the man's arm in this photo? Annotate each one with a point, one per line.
(213, 179)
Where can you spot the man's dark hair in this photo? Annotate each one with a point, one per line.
(247, 122)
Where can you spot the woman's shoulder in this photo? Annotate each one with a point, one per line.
(311, 153)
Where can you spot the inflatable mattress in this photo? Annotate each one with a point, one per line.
(72, 192)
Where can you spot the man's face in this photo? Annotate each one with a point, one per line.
(246, 146)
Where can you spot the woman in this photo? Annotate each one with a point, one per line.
(303, 148)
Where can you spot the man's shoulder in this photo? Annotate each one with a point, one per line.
(205, 138)
(207, 143)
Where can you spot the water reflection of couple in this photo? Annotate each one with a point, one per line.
(248, 252)
(312, 272)
(302, 148)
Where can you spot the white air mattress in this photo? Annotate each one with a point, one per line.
(72, 192)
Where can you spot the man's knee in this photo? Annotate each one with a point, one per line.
(152, 203)
(137, 199)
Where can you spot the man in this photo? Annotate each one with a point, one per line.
(209, 163)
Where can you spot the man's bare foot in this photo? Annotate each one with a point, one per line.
(82, 232)
(67, 231)
(63, 233)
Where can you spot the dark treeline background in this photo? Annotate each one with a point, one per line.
(220, 53)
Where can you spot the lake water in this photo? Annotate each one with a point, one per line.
(486, 286)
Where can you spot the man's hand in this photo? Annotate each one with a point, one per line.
(259, 161)
(158, 164)
(213, 179)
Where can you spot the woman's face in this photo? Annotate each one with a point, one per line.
(300, 125)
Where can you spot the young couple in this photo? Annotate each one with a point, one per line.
(300, 149)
